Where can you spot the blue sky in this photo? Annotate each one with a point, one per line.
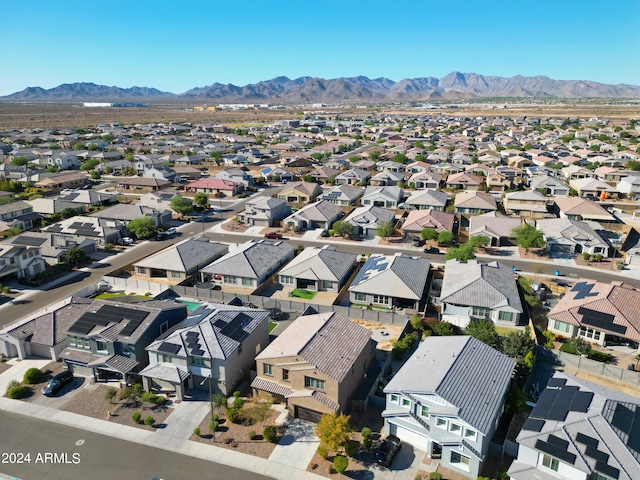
(174, 46)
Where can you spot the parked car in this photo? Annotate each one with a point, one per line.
(432, 250)
(386, 451)
(126, 241)
(417, 242)
(170, 231)
(273, 236)
(57, 382)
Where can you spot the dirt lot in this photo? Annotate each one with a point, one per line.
(91, 402)
(236, 437)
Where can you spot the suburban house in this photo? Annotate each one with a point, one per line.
(319, 214)
(123, 213)
(549, 186)
(610, 175)
(300, 193)
(593, 188)
(577, 208)
(418, 220)
(20, 261)
(318, 269)
(564, 236)
(276, 174)
(18, 214)
(42, 333)
(57, 182)
(387, 178)
(445, 401)
(264, 212)
(391, 281)
(479, 290)
(161, 172)
(464, 181)
(343, 195)
(526, 204)
(579, 430)
(86, 227)
(385, 197)
(53, 247)
(629, 186)
(250, 265)
(109, 338)
(366, 220)
(598, 312)
(141, 185)
(215, 186)
(474, 203)
(428, 200)
(178, 262)
(422, 180)
(355, 177)
(575, 172)
(315, 366)
(324, 174)
(64, 161)
(236, 175)
(493, 225)
(216, 343)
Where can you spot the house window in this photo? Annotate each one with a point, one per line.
(313, 383)
(229, 279)
(267, 369)
(381, 299)
(441, 423)
(127, 350)
(561, 326)
(393, 398)
(360, 297)
(406, 402)
(246, 282)
(164, 327)
(328, 284)
(285, 374)
(455, 428)
(550, 462)
(470, 434)
(460, 461)
(164, 358)
(198, 361)
(480, 312)
(286, 279)
(175, 274)
(424, 411)
(101, 346)
(505, 316)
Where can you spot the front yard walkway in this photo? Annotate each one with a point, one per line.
(297, 446)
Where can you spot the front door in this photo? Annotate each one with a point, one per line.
(436, 451)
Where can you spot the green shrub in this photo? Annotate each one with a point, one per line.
(234, 415)
(340, 463)
(597, 257)
(270, 433)
(238, 403)
(33, 375)
(236, 394)
(110, 394)
(323, 452)
(351, 448)
(252, 434)
(6, 290)
(435, 476)
(149, 421)
(214, 427)
(153, 398)
(17, 391)
(216, 417)
(196, 431)
(600, 356)
(136, 417)
(586, 256)
(366, 438)
(109, 246)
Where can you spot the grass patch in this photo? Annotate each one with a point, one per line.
(306, 294)
(506, 330)
(272, 325)
(115, 295)
(596, 355)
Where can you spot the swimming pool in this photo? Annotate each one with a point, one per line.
(191, 304)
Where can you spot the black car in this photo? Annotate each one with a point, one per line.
(387, 450)
(433, 250)
(57, 382)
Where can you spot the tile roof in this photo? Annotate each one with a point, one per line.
(251, 259)
(316, 263)
(186, 255)
(417, 220)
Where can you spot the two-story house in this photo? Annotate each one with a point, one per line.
(264, 211)
(20, 261)
(315, 366)
(216, 343)
(446, 402)
(236, 175)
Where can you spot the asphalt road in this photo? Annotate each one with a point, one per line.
(98, 457)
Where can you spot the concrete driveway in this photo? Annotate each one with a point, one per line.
(297, 446)
(405, 465)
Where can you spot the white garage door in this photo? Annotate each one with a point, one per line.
(406, 435)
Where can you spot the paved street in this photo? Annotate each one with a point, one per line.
(97, 456)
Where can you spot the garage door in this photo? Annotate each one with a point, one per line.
(307, 414)
(39, 350)
(564, 249)
(406, 435)
(80, 370)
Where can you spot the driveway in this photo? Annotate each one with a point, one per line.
(297, 446)
(405, 465)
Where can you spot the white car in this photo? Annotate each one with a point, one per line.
(171, 231)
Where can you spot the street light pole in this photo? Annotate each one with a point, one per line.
(213, 431)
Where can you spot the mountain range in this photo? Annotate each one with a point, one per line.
(359, 89)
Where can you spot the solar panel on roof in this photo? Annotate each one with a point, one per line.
(596, 454)
(581, 402)
(622, 418)
(28, 241)
(75, 225)
(54, 229)
(555, 451)
(197, 353)
(583, 290)
(169, 348)
(557, 441)
(560, 407)
(601, 320)
(192, 334)
(234, 328)
(541, 410)
(556, 382)
(587, 440)
(607, 470)
(533, 425)
(193, 344)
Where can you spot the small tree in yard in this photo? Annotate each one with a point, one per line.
(149, 421)
(334, 431)
(142, 227)
(479, 241)
(342, 228)
(340, 463)
(201, 200)
(181, 205)
(110, 394)
(463, 253)
(270, 433)
(366, 438)
(429, 234)
(75, 256)
(33, 375)
(485, 331)
(527, 237)
(385, 229)
(581, 345)
(445, 237)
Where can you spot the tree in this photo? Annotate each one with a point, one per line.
(342, 228)
(308, 178)
(12, 232)
(517, 344)
(374, 155)
(400, 158)
(478, 241)
(443, 329)
(485, 331)
(429, 234)
(201, 200)
(527, 236)
(142, 227)
(19, 160)
(385, 229)
(75, 256)
(79, 146)
(181, 205)
(68, 213)
(445, 237)
(633, 165)
(334, 431)
(463, 253)
(95, 175)
(90, 164)
(581, 345)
